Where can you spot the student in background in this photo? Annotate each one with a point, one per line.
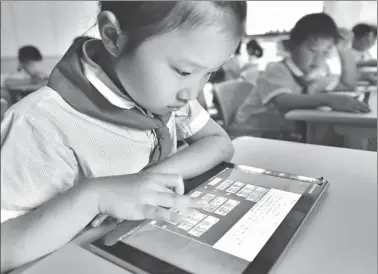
(250, 71)
(101, 138)
(254, 49)
(293, 83)
(364, 40)
(282, 47)
(232, 67)
(29, 68)
(29, 76)
(364, 51)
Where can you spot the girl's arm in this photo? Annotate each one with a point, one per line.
(207, 148)
(126, 197)
(43, 230)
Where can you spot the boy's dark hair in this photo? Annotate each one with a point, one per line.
(362, 29)
(254, 48)
(314, 26)
(29, 53)
(141, 20)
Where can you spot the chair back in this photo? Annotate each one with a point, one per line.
(230, 95)
(3, 107)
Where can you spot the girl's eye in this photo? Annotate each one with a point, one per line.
(182, 73)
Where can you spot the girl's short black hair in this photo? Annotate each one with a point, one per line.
(29, 53)
(314, 26)
(141, 20)
(362, 29)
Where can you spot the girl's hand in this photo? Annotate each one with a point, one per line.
(141, 196)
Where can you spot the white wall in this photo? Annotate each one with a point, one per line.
(52, 25)
(49, 25)
(349, 13)
(265, 16)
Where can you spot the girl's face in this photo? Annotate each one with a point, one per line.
(312, 54)
(168, 70)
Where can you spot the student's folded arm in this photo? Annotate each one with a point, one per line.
(209, 145)
(369, 63)
(38, 213)
(276, 87)
(288, 101)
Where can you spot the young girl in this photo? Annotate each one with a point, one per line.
(100, 138)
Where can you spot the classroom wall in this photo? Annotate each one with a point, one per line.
(266, 16)
(52, 25)
(49, 25)
(349, 13)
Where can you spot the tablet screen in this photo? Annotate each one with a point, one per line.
(245, 207)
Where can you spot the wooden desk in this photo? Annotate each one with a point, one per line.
(340, 236)
(351, 125)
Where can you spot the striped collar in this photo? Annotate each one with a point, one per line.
(98, 78)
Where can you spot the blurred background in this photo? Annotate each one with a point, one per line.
(51, 26)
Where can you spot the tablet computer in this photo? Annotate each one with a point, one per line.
(251, 217)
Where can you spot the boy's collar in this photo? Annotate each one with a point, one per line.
(99, 79)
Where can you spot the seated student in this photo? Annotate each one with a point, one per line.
(341, 65)
(363, 42)
(364, 51)
(291, 84)
(339, 69)
(250, 71)
(28, 71)
(255, 51)
(232, 67)
(101, 138)
(282, 48)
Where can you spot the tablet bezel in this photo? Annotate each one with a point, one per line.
(262, 263)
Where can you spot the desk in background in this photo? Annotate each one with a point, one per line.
(354, 126)
(17, 92)
(340, 236)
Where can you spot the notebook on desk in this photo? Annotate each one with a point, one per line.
(251, 217)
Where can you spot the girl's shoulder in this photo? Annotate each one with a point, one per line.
(40, 110)
(39, 101)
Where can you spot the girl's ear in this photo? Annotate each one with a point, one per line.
(111, 34)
